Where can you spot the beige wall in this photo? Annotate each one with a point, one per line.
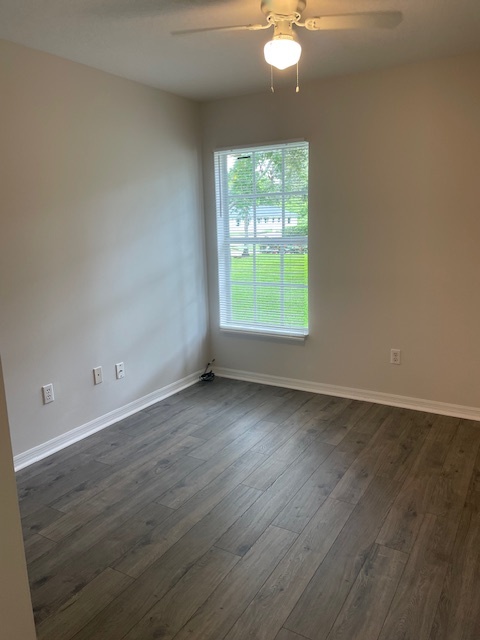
(101, 241)
(100, 177)
(16, 618)
(394, 228)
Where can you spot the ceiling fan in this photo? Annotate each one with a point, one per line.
(284, 50)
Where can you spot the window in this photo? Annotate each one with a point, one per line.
(262, 234)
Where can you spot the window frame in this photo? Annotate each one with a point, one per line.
(225, 240)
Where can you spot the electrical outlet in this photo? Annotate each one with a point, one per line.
(395, 356)
(97, 375)
(120, 370)
(47, 392)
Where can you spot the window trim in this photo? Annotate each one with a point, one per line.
(224, 239)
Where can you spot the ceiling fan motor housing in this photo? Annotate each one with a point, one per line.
(282, 30)
(283, 7)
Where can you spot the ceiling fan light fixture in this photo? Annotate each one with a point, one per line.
(282, 51)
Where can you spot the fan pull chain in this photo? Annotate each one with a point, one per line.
(272, 88)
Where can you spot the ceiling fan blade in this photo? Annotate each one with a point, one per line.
(244, 27)
(367, 20)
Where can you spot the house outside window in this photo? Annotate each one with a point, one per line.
(262, 236)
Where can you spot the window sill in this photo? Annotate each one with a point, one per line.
(269, 335)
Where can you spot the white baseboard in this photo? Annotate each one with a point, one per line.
(418, 404)
(46, 449)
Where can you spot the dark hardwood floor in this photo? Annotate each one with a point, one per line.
(246, 512)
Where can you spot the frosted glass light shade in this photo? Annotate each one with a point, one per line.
(282, 52)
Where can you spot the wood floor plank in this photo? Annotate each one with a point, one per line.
(78, 452)
(172, 415)
(38, 520)
(403, 522)
(210, 448)
(451, 487)
(353, 413)
(37, 546)
(83, 606)
(117, 501)
(135, 602)
(246, 531)
(321, 405)
(413, 608)
(458, 612)
(217, 395)
(233, 594)
(170, 613)
(298, 442)
(267, 612)
(159, 540)
(109, 440)
(159, 417)
(401, 456)
(33, 495)
(144, 468)
(356, 480)
(298, 511)
(351, 486)
(214, 466)
(336, 428)
(285, 634)
(373, 419)
(320, 603)
(228, 435)
(267, 472)
(367, 604)
(332, 408)
(155, 436)
(53, 582)
(284, 431)
(472, 501)
(95, 529)
(294, 401)
(245, 414)
(127, 426)
(354, 442)
(155, 425)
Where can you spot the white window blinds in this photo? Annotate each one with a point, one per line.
(262, 233)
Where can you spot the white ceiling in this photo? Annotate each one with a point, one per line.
(131, 38)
